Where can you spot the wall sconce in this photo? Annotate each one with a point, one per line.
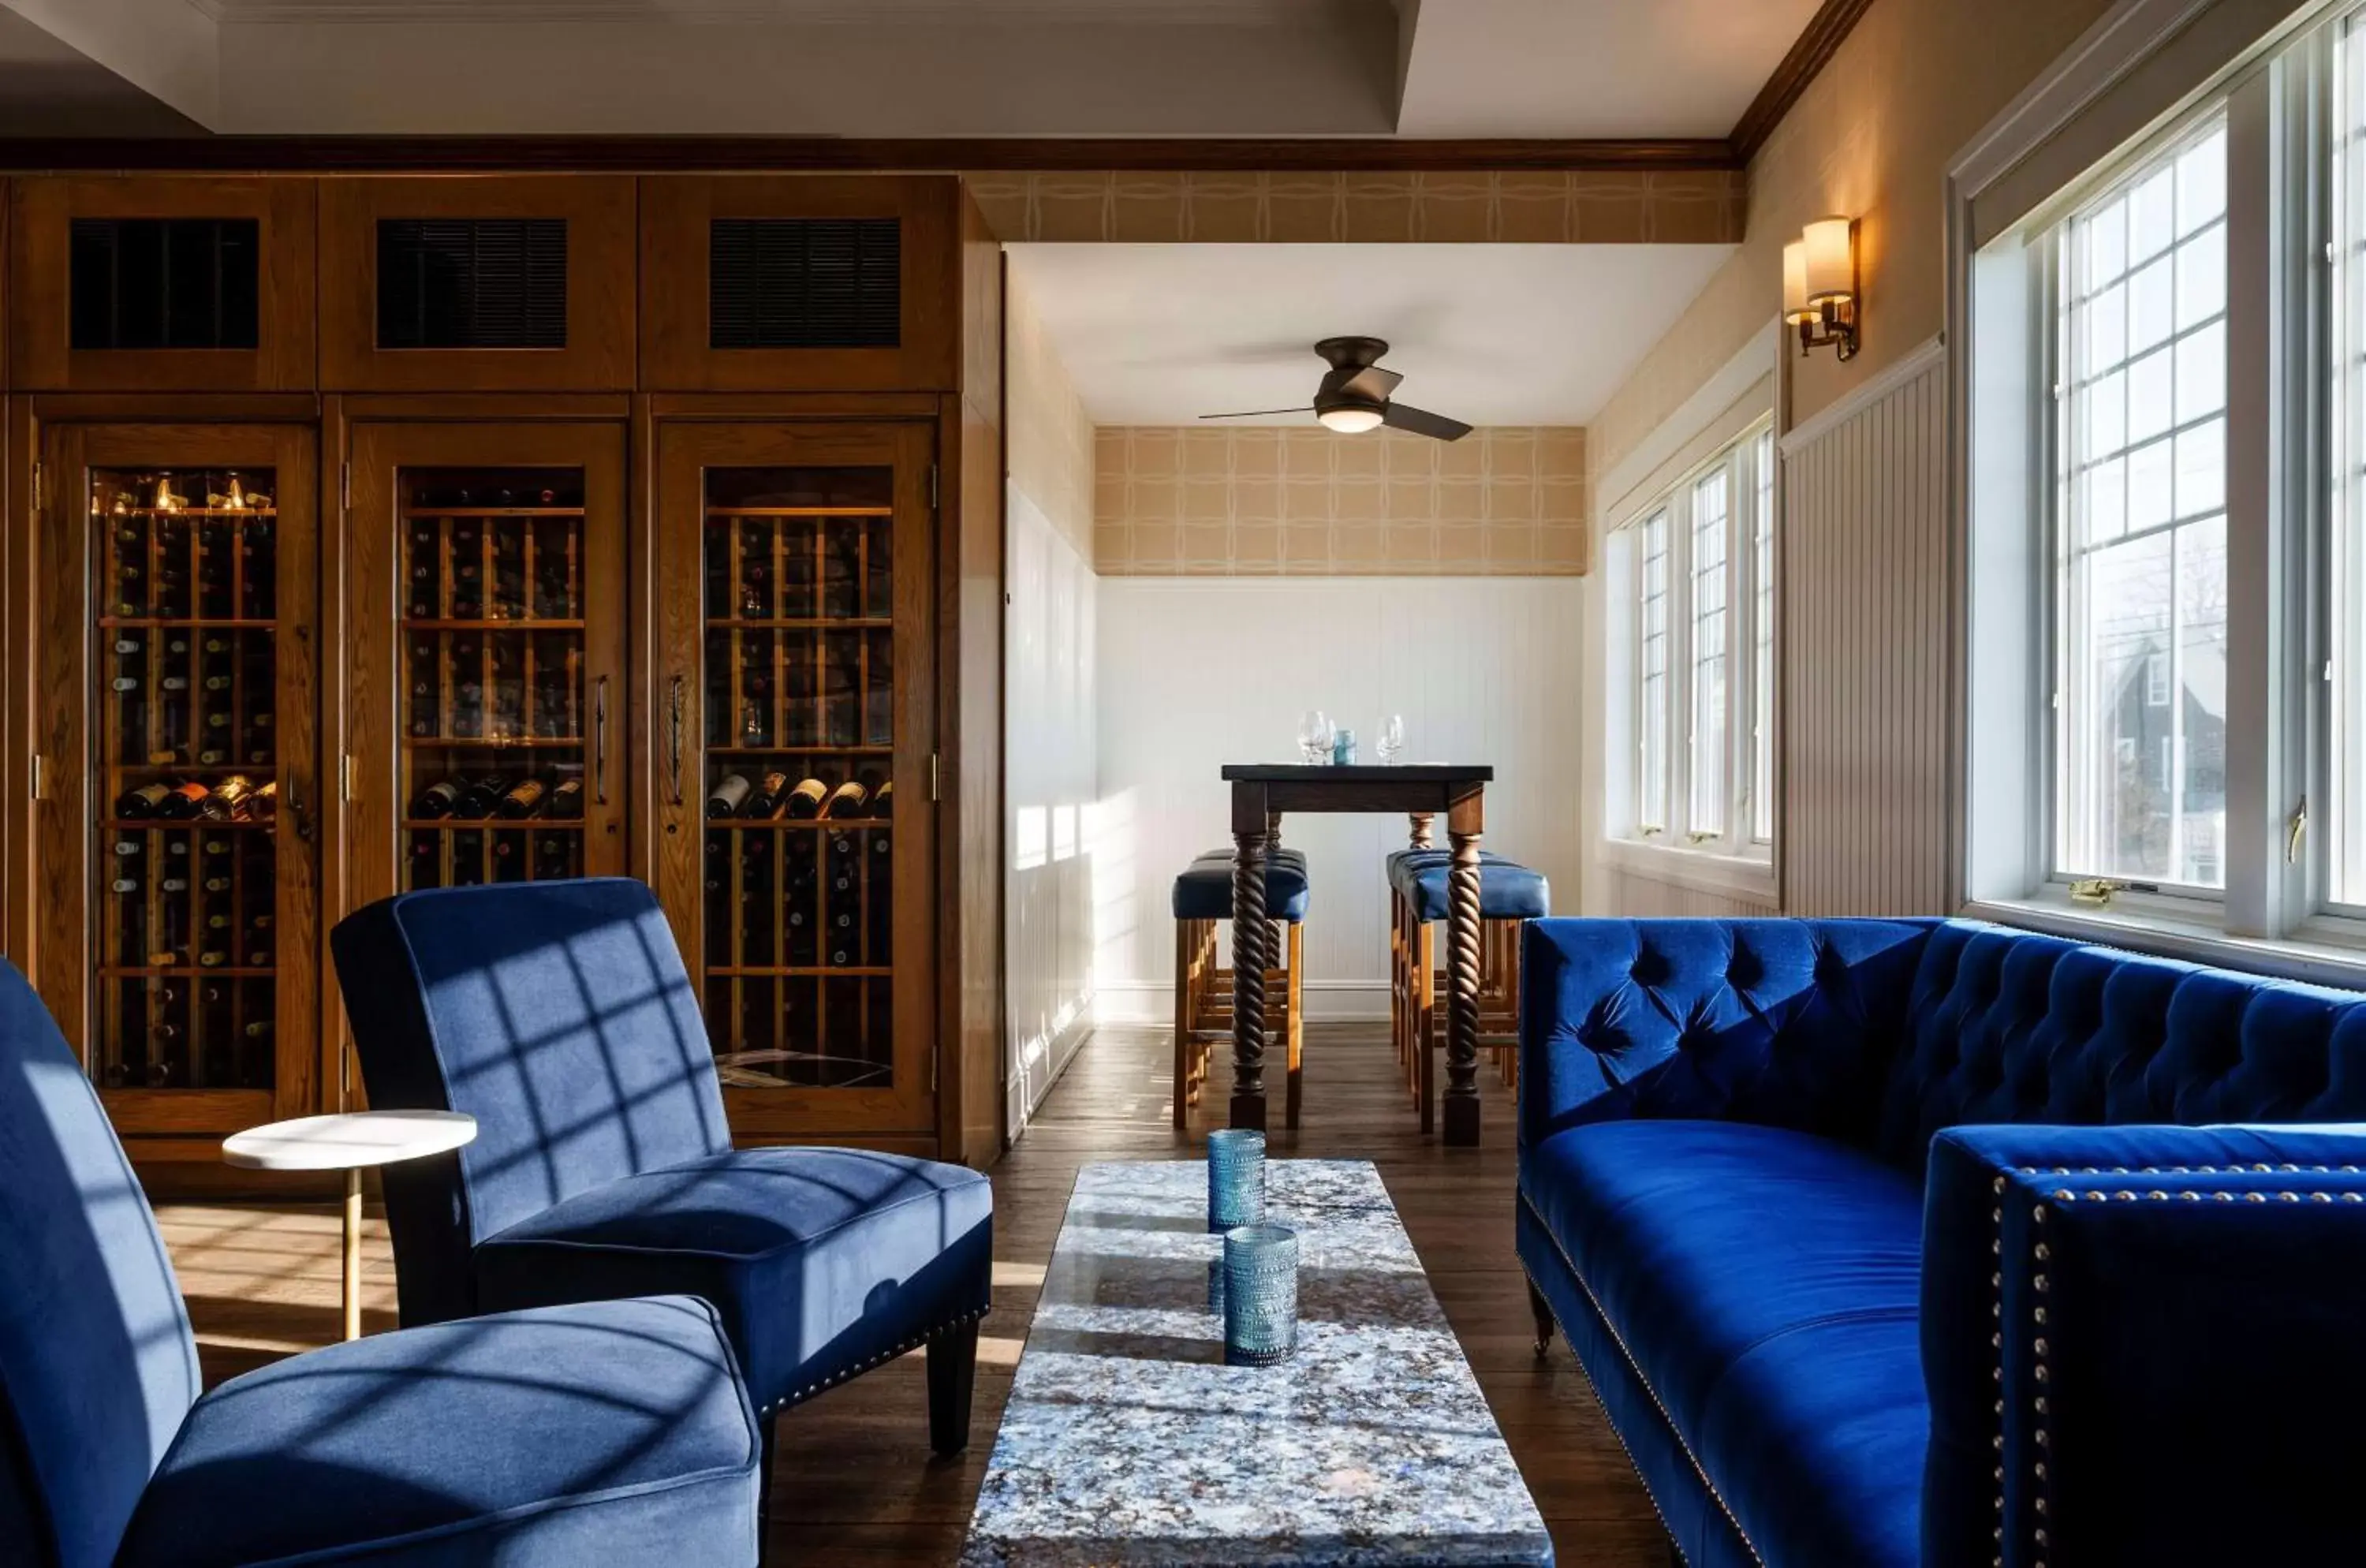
(1820, 285)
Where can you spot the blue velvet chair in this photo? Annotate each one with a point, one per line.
(1202, 901)
(615, 1432)
(1929, 1244)
(560, 1015)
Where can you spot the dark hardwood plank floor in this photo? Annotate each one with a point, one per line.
(856, 1483)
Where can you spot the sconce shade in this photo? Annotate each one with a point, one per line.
(1795, 307)
(1831, 260)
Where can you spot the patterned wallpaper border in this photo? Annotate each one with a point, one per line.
(1270, 500)
(1547, 207)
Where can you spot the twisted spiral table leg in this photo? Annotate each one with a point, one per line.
(1249, 960)
(1460, 1109)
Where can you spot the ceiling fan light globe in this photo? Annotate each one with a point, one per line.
(1350, 422)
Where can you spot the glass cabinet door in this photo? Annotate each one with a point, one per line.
(179, 702)
(794, 769)
(486, 710)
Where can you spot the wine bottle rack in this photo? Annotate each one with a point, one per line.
(186, 826)
(799, 731)
(491, 636)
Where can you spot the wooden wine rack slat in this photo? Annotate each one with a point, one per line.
(799, 683)
(184, 601)
(492, 638)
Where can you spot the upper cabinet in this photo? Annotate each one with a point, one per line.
(497, 283)
(162, 285)
(801, 282)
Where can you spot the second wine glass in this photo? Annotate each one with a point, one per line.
(1392, 738)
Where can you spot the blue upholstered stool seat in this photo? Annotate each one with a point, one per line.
(599, 1433)
(1204, 890)
(821, 1261)
(1507, 890)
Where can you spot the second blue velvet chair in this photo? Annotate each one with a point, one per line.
(560, 1016)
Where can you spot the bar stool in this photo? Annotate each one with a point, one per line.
(1509, 894)
(1203, 989)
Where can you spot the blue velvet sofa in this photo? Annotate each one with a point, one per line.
(1893, 1242)
(616, 1432)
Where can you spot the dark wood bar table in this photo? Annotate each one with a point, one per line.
(1263, 792)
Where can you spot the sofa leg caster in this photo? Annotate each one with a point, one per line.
(952, 1374)
(1542, 1311)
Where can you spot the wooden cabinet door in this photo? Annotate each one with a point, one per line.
(796, 720)
(178, 923)
(181, 284)
(801, 282)
(484, 701)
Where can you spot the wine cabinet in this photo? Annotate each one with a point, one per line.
(795, 713)
(487, 628)
(176, 565)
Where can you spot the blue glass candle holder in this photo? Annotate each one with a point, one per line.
(1260, 1295)
(1235, 1179)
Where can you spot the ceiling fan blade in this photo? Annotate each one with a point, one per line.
(1421, 421)
(1371, 382)
(1258, 413)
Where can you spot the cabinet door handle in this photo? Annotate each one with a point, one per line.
(600, 742)
(300, 812)
(673, 742)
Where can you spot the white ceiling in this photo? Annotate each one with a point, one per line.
(888, 68)
(1490, 335)
(1592, 67)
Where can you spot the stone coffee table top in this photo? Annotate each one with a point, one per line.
(1127, 1440)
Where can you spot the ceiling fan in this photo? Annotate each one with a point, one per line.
(1353, 396)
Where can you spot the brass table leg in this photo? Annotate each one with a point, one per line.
(353, 1253)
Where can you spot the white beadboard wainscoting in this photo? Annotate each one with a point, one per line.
(1049, 789)
(1864, 627)
(1195, 672)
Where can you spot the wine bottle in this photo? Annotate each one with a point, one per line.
(565, 799)
(882, 798)
(262, 806)
(183, 801)
(807, 799)
(764, 800)
(480, 799)
(222, 802)
(521, 797)
(148, 800)
(437, 799)
(125, 885)
(845, 800)
(727, 795)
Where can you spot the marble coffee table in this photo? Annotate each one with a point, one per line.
(1127, 1440)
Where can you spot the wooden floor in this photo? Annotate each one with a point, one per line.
(856, 1483)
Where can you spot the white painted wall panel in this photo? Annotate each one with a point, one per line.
(1198, 672)
(1049, 788)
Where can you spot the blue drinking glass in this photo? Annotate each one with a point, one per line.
(1235, 1177)
(1260, 1295)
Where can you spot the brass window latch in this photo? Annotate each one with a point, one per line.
(2298, 827)
(2097, 892)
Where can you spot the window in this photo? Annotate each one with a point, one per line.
(1700, 684)
(2140, 525)
(1762, 644)
(2165, 570)
(1651, 700)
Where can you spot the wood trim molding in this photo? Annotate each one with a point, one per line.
(1816, 45)
(682, 154)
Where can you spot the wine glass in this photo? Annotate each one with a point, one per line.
(1314, 736)
(1392, 738)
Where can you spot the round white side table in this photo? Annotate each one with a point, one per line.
(352, 1142)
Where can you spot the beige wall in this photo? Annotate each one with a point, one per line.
(1206, 500)
(1050, 435)
(1870, 138)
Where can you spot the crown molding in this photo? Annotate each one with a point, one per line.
(670, 154)
(1814, 48)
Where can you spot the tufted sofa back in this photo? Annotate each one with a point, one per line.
(2014, 1026)
(1883, 1033)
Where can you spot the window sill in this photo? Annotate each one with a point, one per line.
(2312, 959)
(1750, 876)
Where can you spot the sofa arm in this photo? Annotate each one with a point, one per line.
(1791, 1024)
(2143, 1345)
